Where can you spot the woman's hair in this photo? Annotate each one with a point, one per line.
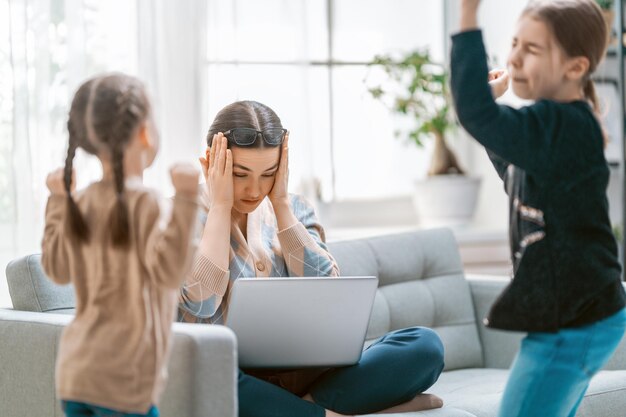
(580, 29)
(105, 114)
(250, 114)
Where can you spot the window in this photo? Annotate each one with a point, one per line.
(307, 59)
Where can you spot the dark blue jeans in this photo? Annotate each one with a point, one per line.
(76, 409)
(391, 371)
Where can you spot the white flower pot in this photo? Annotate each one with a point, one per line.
(446, 200)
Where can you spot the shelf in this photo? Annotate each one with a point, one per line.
(616, 54)
(612, 52)
(606, 80)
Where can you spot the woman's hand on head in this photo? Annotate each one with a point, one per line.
(55, 181)
(184, 179)
(279, 194)
(499, 82)
(218, 172)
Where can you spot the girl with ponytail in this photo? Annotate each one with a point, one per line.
(566, 292)
(124, 263)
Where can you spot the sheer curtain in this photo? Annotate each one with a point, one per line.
(172, 51)
(47, 49)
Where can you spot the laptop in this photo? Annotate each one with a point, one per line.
(299, 322)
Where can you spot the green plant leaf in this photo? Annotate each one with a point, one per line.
(420, 92)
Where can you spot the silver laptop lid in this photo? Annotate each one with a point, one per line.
(300, 321)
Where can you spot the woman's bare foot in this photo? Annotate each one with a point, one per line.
(418, 403)
(329, 413)
(333, 414)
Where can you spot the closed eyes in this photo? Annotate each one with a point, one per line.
(268, 175)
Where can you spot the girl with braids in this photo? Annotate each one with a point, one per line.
(125, 264)
(254, 228)
(566, 290)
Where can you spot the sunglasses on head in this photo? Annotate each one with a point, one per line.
(245, 136)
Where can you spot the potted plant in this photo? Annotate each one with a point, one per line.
(418, 88)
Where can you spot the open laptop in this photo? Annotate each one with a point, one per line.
(300, 321)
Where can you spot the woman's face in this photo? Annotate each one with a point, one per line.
(254, 172)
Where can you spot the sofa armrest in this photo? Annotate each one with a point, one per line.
(202, 367)
(203, 372)
(28, 347)
(499, 347)
(618, 360)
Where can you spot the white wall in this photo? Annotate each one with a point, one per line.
(497, 19)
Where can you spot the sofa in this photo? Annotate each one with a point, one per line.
(421, 283)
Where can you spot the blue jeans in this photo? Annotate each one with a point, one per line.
(76, 409)
(552, 371)
(391, 371)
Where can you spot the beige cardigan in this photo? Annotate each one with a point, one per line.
(114, 353)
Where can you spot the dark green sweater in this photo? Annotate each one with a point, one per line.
(550, 156)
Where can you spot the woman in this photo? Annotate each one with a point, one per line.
(254, 228)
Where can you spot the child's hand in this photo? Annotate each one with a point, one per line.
(471, 4)
(184, 178)
(499, 82)
(55, 181)
(469, 11)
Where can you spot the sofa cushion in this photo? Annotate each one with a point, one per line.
(478, 391)
(606, 396)
(31, 290)
(421, 283)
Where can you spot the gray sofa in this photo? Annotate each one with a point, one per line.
(421, 283)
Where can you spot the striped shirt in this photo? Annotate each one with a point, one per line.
(299, 250)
